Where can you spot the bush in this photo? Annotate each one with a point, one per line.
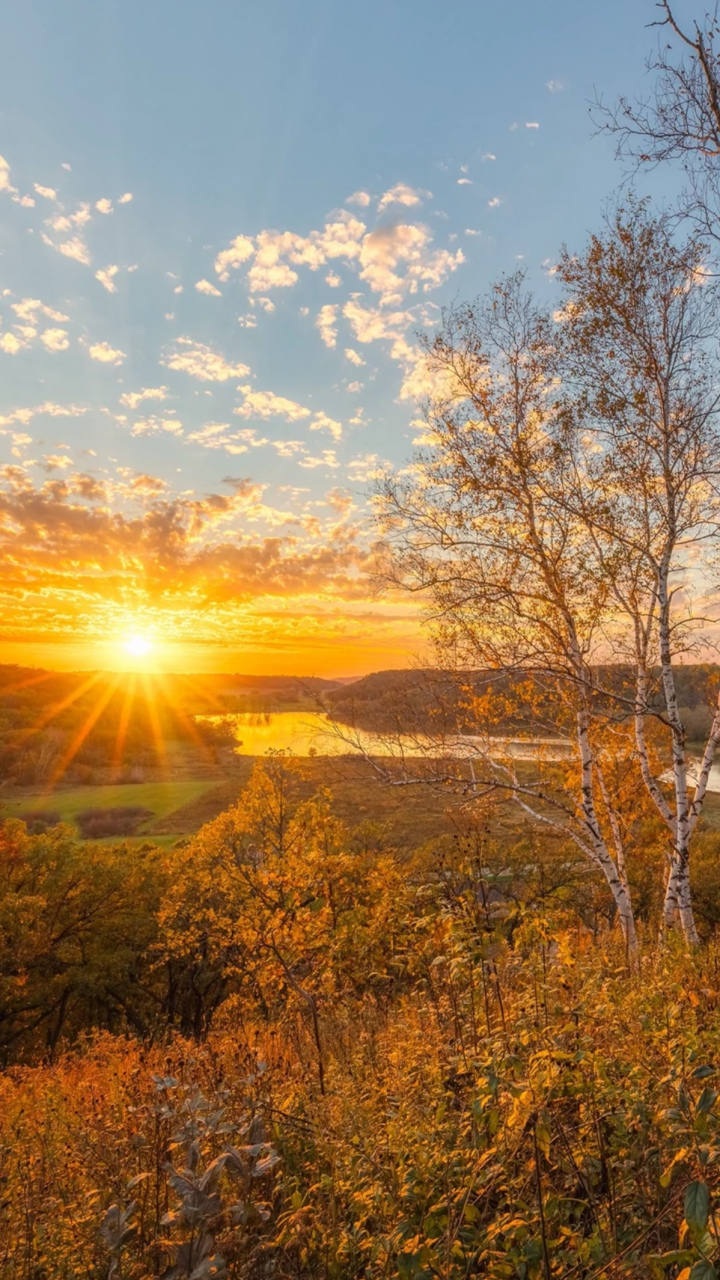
(38, 822)
(94, 824)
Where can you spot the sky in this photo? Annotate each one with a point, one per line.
(222, 226)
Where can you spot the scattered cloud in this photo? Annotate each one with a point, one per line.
(555, 86)
(104, 205)
(57, 462)
(11, 344)
(488, 155)
(204, 286)
(401, 193)
(241, 248)
(55, 339)
(28, 310)
(265, 404)
(493, 204)
(48, 408)
(353, 356)
(74, 248)
(126, 198)
(393, 260)
(48, 193)
(153, 425)
(326, 323)
(133, 398)
(321, 422)
(360, 198)
(396, 260)
(328, 458)
(106, 278)
(333, 280)
(5, 183)
(203, 363)
(106, 354)
(532, 124)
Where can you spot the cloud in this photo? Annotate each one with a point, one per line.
(532, 124)
(133, 398)
(326, 323)
(104, 205)
(220, 435)
(265, 404)
(288, 448)
(401, 193)
(67, 561)
(360, 198)
(365, 467)
(355, 387)
(203, 363)
(333, 280)
(276, 253)
(28, 310)
(241, 248)
(370, 323)
(55, 339)
(321, 422)
(66, 221)
(488, 155)
(152, 425)
(266, 304)
(74, 248)
(5, 183)
(204, 286)
(328, 458)
(47, 407)
(106, 278)
(56, 462)
(48, 193)
(395, 260)
(493, 204)
(353, 356)
(555, 86)
(464, 182)
(106, 354)
(126, 198)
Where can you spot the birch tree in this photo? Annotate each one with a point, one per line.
(639, 327)
(678, 122)
(486, 527)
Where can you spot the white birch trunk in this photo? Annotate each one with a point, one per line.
(617, 882)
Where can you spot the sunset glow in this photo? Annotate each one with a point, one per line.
(138, 646)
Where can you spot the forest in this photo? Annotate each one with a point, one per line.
(449, 1008)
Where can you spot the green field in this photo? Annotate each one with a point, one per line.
(162, 798)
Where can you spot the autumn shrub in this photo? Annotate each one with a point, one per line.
(338, 1062)
(537, 1112)
(39, 820)
(124, 820)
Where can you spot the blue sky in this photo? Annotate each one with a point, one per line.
(221, 225)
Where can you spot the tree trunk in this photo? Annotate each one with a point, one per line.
(678, 902)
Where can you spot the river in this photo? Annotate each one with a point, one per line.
(306, 733)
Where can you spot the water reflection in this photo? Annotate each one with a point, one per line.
(306, 733)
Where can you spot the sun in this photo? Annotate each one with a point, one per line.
(138, 646)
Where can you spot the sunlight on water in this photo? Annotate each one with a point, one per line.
(302, 733)
(305, 733)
